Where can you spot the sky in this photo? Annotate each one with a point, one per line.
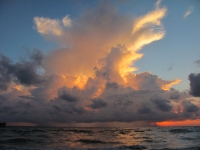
(100, 62)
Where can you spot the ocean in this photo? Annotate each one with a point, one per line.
(61, 138)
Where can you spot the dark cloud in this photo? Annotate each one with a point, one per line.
(112, 85)
(24, 104)
(2, 98)
(37, 57)
(3, 85)
(5, 77)
(162, 104)
(5, 109)
(57, 108)
(189, 107)
(98, 103)
(194, 84)
(144, 110)
(27, 97)
(77, 109)
(24, 73)
(65, 95)
(63, 109)
(175, 95)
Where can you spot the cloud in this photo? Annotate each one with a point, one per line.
(91, 78)
(175, 94)
(49, 26)
(37, 57)
(67, 21)
(170, 67)
(97, 23)
(162, 104)
(194, 84)
(189, 107)
(197, 62)
(189, 11)
(149, 27)
(147, 81)
(97, 103)
(111, 85)
(5, 78)
(24, 73)
(64, 95)
(144, 110)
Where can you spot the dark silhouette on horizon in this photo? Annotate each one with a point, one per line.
(2, 124)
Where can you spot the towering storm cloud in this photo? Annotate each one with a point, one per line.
(91, 77)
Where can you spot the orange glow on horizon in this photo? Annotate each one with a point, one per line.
(179, 123)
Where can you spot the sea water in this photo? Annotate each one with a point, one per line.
(60, 138)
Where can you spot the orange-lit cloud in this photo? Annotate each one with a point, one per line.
(166, 85)
(74, 58)
(151, 24)
(91, 77)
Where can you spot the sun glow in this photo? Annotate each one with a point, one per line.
(179, 123)
(81, 81)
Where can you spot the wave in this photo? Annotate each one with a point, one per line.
(179, 130)
(37, 130)
(87, 141)
(186, 148)
(27, 130)
(144, 137)
(134, 147)
(80, 131)
(16, 140)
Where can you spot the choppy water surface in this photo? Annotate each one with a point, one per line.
(59, 138)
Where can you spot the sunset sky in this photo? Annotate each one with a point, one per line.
(100, 62)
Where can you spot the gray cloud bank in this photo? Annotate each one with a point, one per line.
(115, 103)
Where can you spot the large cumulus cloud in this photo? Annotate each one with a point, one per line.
(91, 78)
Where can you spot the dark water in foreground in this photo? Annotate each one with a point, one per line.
(59, 138)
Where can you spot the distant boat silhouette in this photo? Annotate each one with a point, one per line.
(2, 124)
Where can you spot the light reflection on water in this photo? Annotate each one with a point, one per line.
(55, 137)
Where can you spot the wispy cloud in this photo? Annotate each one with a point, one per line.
(189, 11)
(197, 62)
